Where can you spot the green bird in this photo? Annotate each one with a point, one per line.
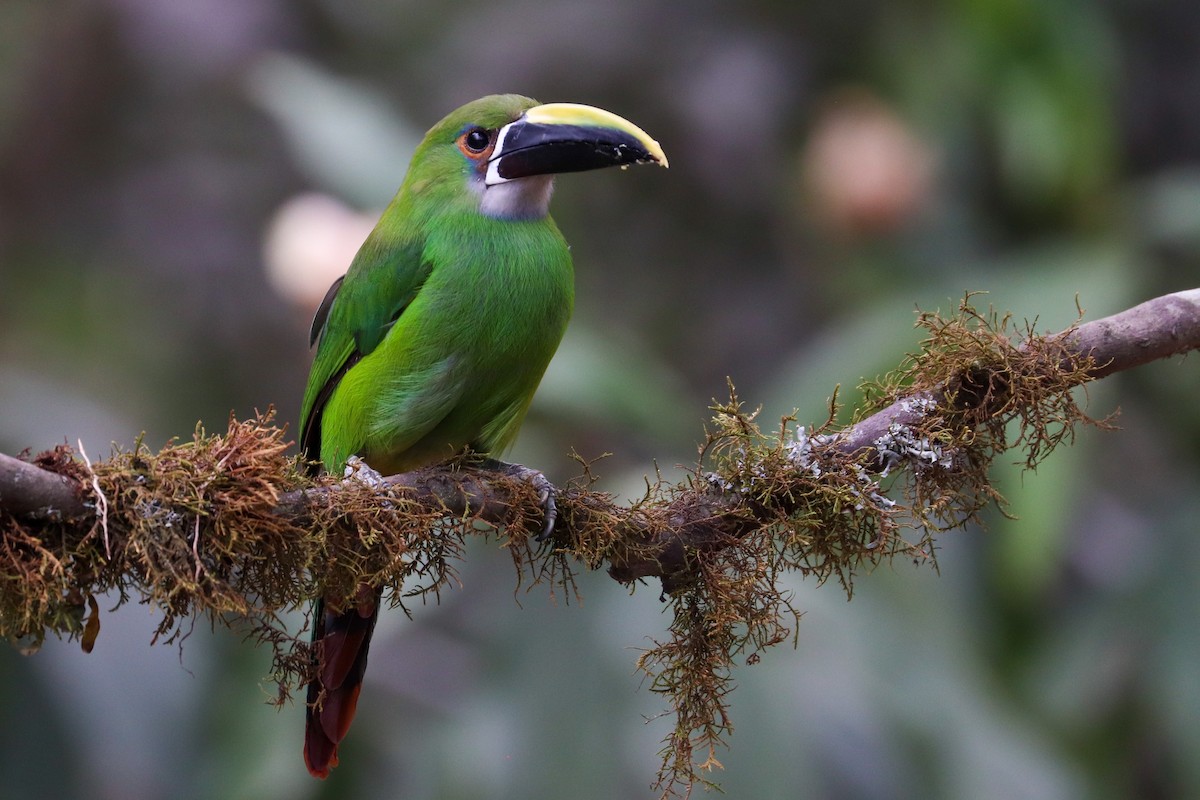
(435, 340)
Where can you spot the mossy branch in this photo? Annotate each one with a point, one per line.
(227, 526)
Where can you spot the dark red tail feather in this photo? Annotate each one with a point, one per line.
(341, 641)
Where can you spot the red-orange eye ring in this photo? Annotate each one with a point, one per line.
(475, 143)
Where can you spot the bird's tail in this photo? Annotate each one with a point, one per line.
(341, 640)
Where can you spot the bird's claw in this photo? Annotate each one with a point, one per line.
(541, 485)
(545, 491)
(357, 468)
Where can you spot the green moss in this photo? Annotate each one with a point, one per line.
(200, 529)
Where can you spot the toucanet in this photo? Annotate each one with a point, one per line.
(436, 338)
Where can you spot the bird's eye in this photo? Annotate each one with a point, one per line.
(476, 140)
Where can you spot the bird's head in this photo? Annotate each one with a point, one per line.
(508, 148)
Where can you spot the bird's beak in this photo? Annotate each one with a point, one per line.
(568, 137)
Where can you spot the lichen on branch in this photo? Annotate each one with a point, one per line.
(206, 528)
(802, 501)
(227, 527)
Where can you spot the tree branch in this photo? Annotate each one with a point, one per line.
(228, 525)
(1160, 328)
(29, 491)
(698, 519)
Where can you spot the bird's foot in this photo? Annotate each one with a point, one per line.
(540, 483)
(357, 468)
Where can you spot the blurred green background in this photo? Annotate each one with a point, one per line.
(180, 181)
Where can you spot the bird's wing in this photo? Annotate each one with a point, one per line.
(352, 320)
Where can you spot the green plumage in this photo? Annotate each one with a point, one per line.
(447, 318)
(438, 335)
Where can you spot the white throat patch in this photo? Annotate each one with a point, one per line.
(520, 198)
